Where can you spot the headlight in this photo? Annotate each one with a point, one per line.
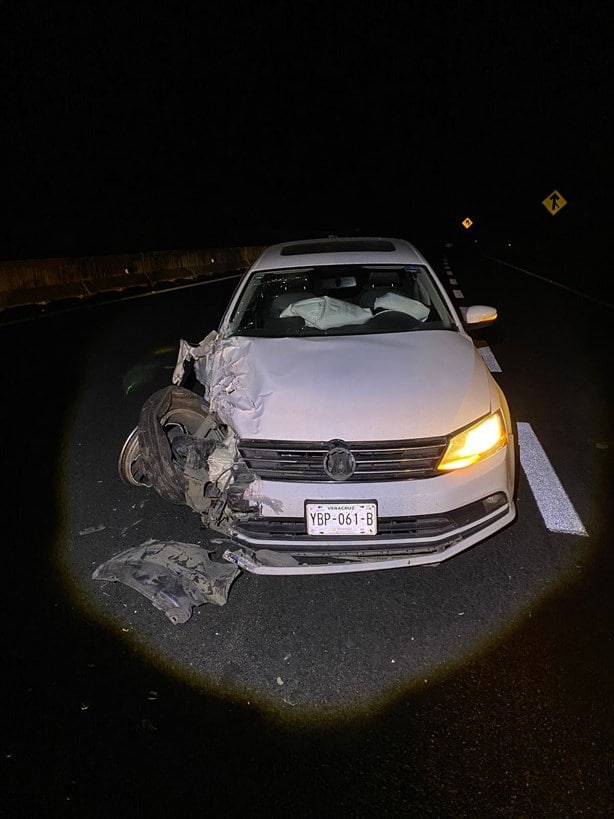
(475, 443)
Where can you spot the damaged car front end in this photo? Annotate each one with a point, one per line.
(339, 420)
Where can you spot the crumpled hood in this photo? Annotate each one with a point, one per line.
(358, 387)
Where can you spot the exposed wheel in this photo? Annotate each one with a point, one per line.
(168, 421)
(130, 465)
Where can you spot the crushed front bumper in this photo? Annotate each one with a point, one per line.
(300, 559)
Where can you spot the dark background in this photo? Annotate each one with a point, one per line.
(195, 125)
(185, 127)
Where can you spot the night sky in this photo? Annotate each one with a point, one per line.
(201, 125)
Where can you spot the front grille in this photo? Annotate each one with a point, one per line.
(424, 526)
(401, 527)
(375, 460)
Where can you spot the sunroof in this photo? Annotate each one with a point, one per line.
(340, 246)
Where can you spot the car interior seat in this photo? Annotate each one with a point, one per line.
(379, 283)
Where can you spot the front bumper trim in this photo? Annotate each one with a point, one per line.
(249, 563)
(270, 562)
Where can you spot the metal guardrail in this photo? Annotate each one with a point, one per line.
(40, 281)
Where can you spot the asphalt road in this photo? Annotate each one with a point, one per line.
(481, 687)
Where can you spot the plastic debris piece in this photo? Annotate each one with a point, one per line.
(271, 558)
(174, 576)
(221, 461)
(91, 529)
(197, 353)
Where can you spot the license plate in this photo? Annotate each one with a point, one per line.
(341, 518)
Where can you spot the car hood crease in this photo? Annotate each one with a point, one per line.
(356, 388)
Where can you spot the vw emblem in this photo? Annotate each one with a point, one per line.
(339, 463)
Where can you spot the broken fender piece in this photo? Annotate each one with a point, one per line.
(265, 561)
(234, 388)
(221, 461)
(174, 576)
(193, 352)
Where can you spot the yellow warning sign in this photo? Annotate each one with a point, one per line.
(466, 223)
(554, 202)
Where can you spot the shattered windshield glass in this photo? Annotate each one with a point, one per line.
(339, 300)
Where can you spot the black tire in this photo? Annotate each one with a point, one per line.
(172, 411)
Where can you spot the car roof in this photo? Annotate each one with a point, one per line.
(338, 250)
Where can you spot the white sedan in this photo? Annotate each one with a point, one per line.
(340, 419)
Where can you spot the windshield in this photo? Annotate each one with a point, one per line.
(339, 300)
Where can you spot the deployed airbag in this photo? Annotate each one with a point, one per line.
(325, 313)
(174, 576)
(402, 304)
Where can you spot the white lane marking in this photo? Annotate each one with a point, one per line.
(489, 359)
(555, 507)
(552, 501)
(556, 284)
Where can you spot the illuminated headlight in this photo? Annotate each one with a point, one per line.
(475, 443)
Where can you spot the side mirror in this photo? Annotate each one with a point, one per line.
(479, 316)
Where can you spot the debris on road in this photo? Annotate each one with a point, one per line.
(91, 529)
(174, 576)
